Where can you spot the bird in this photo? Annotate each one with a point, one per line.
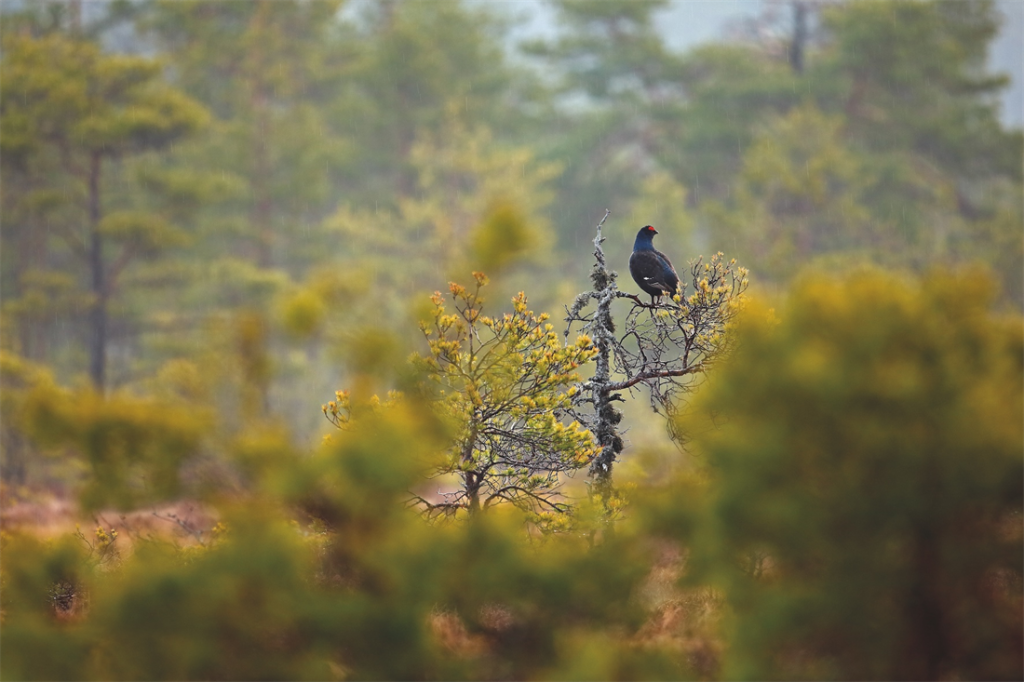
(652, 269)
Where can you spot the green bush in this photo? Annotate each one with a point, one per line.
(864, 510)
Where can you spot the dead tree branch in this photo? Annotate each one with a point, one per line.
(665, 347)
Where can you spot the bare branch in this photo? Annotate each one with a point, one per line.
(187, 527)
(644, 376)
(663, 346)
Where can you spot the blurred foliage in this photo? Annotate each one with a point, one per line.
(502, 237)
(18, 378)
(863, 507)
(131, 445)
(837, 163)
(360, 588)
(856, 513)
(67, 92)
(800, 194)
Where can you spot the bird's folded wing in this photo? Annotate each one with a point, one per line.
(666, 262)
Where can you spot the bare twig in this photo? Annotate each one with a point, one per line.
(184, 525)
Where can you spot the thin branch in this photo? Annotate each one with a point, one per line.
(128, 252)
(187, 527)
(644, 376)
(74, 242)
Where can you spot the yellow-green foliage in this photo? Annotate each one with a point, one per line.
(465, 179)
(864, 509)
(503, 384)
(18, 379)
(146, 232)
(66, 90)
(479, 204)
(133, 447)
(500, 386)
(45, 294)
(801, 193)
(502, 236)
(303, 312)
(354, 595)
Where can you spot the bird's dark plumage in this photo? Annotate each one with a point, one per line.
(650, 268)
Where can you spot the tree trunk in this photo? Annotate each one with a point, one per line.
(259, 100)
(799, 44)
(262, 200)
(603, 332)
(75, 15)
(98, 314)
(926, 645)
(472, 480)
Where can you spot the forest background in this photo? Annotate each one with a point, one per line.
(215, 215)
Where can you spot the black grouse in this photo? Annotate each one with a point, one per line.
(650, 268)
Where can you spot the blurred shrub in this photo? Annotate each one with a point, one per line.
(134, 447)
(18, 378)
(358, 590)
(303, 313)
(864, 511)
(502, 236)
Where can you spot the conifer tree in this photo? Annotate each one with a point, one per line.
(504, 386)
(269, 72)
(615, 91)
(70, 116)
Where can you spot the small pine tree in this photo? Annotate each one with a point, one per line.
(504, 386)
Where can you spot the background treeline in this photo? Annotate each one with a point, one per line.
(215, 214)
(169, 165)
